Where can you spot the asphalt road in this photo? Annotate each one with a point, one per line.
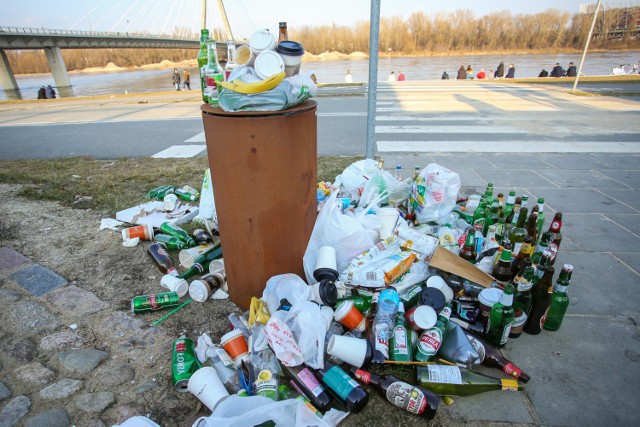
(415, 117)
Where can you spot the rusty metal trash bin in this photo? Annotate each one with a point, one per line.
(264, 175)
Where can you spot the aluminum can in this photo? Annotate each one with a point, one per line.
(153, 302)
(184, 363)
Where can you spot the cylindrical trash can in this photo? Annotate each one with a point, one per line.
(264, 174)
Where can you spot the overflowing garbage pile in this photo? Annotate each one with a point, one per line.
(399, 271)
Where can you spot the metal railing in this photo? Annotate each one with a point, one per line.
(27, 31)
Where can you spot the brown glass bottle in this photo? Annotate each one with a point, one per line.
(502, 270)
(526, 250)
(556, 236)
(282, 32)
(493, 358)
(511, 216)
(414, 399)
(468, 251)
(160, 256)
(541, 300)
(532, 224)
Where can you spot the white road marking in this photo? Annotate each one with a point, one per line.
(197, 138)
(180, 151)
(508, 147)
(449, 129)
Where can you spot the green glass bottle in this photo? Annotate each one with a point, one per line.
(500, 226)
(202, 262)
(543, 245)
(171, 242)
(468, 250)
(202, 60)
(362, 302)
(400, 347)
(492, 217)
(160, 192)
(488, 194)
(174, 230)
(502, 270)
(559, 301)
(501, 318)
(508, 206)
(213, 74)
(512, 217)
(431, 339)
(186, 195)
(522, 301)
(478, 216)
(455, 381)
(540, 217)
(518, 233)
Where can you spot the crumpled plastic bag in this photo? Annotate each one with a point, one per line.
(236, 411)
(356, 174)
(285, 286)
(282, 341)
(434, 192)
(207, 211)
(416, 241)
(309, 332)
(385, 187)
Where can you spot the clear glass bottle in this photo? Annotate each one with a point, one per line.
(455, 381)
(213, 73)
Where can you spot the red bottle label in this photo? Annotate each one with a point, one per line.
(363, 376)
(511, 369)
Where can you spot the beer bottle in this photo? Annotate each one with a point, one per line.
(202, 61)
(532, 225)
(213, 73)
(491, 357)
(500, 199)
(400, 347)
(501, 318)
(431, 339)
(525, 202)
(160, 192)
(500, 226)
(170, 242)
(543, 245)
(491, 218)
(476, 327)
(511, 219)
(345, 388)
(159, 255)
(540, 216)
(282, 33)
(413, 399)
(468, 250)
(362, 302)
(455, 381)
(201, 236)
(541, 293)
(518, 233)
(488, 194)
(502, 270)
(508, 206)
(522, 301)
(559, 301)
(186, 195)
(304, 380)
(174, 230)
(479, 215)
(556, 236)
(202, 262)
(525, 254)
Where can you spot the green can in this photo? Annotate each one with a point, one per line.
(153, 302)
(184, 363)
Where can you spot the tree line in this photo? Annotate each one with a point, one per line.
(440, 33)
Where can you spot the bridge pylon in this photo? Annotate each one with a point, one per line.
(57, 66)
(7, 79)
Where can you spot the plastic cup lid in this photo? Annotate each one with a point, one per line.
(199, 290)
(342, 309)
(234, 333)
(425, 317)
(489, 296)
(288, 47)
(261, 40)
(268, 63)
(328, 292)
(434, 298)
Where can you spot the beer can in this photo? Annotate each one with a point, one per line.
(184, 363)
(153, 302)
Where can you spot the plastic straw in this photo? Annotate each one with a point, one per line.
(163, 318)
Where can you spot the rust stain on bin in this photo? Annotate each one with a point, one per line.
(264, 173)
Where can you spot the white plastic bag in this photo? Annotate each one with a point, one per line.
(434, 192)
(282, 341)
(356, 174)
(284, 286)
(309, 332)
(345, 233)
(386, 188)
(207, 202)
(414, 240)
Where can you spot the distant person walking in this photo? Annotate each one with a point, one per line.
(500, 71)
(571, 70)
(511, 73)
(50, 93)
(187, 79)
(401, 76)
(348, 78)
(176, 79)
(445, 76)
(392, 77)
(557, 71)
(462, 73)
(42, 93)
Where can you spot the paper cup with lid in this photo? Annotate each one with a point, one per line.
(488, 298)
(325, 293)
(245, 56)
(261, 41)
(347, 314)
(235, 344)
(421, 317)
(291, 53)
(174, 284)
(268, 63)
(326, 264)
(439, 283)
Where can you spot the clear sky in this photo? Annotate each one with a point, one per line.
(124, 15)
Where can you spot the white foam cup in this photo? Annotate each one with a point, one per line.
(217, 266)
(388, 217)
(245, 56)
(207, 387)
(188, 256)
(261, 41)
(350, 350)
(439, 283)
(268, 63)
(175, 284)
(326, 265)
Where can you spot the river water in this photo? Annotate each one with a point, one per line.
(415, 68)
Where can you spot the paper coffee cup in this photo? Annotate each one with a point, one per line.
(327, 313)
(353, 351)
(175, 284)
(267, 64)
(421, 317)
(244, 56)
(217, 266)
(199, 291)
(439, 283)
(188, 257)
(235, 344)
(170, 202)
(143, 232)
(326, 264)
(388, 219)
(291, 53)
(207, 387)
(261, 41)
(349, 316)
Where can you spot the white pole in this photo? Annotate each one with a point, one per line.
(374, 37)
(586, 46)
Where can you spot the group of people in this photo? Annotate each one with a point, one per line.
(558, 71)
(400, 77)
(46, 93)
(176, 79)
(467, 73)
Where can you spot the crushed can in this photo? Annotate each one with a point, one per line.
(184, 363)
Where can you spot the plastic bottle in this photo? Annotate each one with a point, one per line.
(383, 325)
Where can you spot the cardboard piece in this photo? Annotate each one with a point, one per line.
(452, 263)
(152, 213)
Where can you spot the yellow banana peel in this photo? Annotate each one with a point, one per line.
(256, 87)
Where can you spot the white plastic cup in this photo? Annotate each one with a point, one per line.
(188, 257)
(261, 41)
(170, 202)
(388, 219)
(175, 284)
(327, 312)
(326, 264)
(199, 291)
(207, 387)
(350, 350)
(268, 63)
(217, 266)
(439, 283)
(245, 56)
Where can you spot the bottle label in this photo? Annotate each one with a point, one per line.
(555, 226)
(509, 384)
(338, 381)
(505, 334)
(516, 248)
(524, 286)
(560, 288)
(430, 341)
(511, 369)
(382, 345)
(482, 352)
(446, 312)
(518, 323)
(267, 385)
(400, 341)
(363, 376)
(225, 358)
(526, 248)
(544, 317)
(311, 382)
(407, 397)
(553, 248)
(444, 374)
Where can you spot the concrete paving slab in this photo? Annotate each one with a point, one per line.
(458, 162)
(576, 161)
(520, 178)
(617, 161)
(596, 233)
(586, 373)
(628, 197)
(627, 177)
(38, 280)
(600, 284)
(570, 200)
(523, 161)
(581, 179)
(629, 221)
(11, 259)
(631, 259)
